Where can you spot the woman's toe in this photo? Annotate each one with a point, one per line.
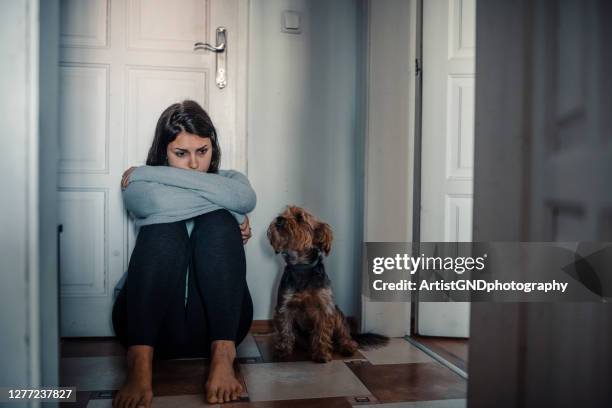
(211, 396)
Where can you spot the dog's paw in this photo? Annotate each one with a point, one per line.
(348, 349)
(282, 351)
(321, 358)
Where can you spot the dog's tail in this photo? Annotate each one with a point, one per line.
(370, 340)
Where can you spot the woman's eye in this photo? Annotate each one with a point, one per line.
(203, 151)
(179, 154)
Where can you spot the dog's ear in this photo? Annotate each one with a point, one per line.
(323, 237)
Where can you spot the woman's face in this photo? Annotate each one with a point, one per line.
(191, 152)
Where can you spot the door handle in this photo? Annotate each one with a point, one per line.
(60, 229)
(221, 51)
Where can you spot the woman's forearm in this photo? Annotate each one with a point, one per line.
(229, 189)
(149, 199)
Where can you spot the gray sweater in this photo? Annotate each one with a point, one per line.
(162, 194)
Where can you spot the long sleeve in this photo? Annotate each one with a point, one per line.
(152, 202)
(229, 189)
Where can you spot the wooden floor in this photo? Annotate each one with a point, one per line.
(451, 349)
(399, 373)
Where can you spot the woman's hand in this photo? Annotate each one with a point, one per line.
(125, 178)
(245, 230)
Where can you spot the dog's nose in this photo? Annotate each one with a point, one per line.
(280, 221)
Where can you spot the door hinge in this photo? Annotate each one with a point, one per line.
(417, 67)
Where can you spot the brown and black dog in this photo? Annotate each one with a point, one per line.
(305, 310)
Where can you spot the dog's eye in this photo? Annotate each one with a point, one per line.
(299, 217)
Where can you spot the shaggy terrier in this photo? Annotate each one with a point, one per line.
(305, 310)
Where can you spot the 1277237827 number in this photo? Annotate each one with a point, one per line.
(47, 394)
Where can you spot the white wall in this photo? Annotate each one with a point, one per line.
(389, 143)
(305, 136)
(16, 81)
(390, 149)
(28, 299)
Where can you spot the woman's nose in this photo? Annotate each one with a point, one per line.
(193, 163)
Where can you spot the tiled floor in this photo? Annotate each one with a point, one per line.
(396, 376)
(398, 351)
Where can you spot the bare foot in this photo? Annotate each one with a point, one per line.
(137, 390)
(222, 385)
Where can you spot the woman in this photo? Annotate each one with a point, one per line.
(186, 293)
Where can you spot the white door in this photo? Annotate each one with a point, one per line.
(447, 144)
(122, 63)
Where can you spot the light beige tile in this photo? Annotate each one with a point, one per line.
(398, 351)
(183, 401)
(248, 348)
(303, 379)
(93, 373)
(450, 403)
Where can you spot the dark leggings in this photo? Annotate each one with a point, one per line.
(150, 309)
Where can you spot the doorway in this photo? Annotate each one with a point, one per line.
(444, 169)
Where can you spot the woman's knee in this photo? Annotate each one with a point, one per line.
(220, 217)
(174, 230)
(219, 223)
(165, 238)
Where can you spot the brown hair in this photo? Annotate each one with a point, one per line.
(187, 116)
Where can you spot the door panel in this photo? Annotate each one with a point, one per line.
(122, 62)
(170, 26)
(543, 174)
(148, 89)
(84, 90)
(570, 195)
(447, 144)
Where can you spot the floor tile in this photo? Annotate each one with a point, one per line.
(335, 402)
(300, 380)
(182, 401)
(82, 398)
(185, 376)
(451, 403)
(93, 373)
(398, 351)
(410, 382)
(180, 376)
(266, 347)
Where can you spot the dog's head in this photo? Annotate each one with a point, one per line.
(297, 231)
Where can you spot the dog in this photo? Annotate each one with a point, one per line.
(305, 312)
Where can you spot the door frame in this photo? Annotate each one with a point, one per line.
(242, 67)
(418, 137)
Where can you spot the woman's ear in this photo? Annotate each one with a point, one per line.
(323, 237)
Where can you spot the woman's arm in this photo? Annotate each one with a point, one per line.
(150, 199)
(229, 189)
